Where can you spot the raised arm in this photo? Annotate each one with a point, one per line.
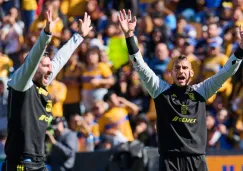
(21, 80)
(211, 85)
(152, 83)
(63, 55)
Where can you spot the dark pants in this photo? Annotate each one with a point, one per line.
(183, 163)
(23, 166)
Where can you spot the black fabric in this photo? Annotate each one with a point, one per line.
(28, 117)
(183, 163)
(181, 114)
(23, 166)
(128, 156)
(239, 53)
(131, 45)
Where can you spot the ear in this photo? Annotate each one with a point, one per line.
(191, 73)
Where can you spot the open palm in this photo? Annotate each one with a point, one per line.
(127, 24)
(85, 25)
(50, 23)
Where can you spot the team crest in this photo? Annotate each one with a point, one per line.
(49, 106)
(191, 96)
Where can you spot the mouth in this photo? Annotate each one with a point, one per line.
(46, 78)
(181, 78)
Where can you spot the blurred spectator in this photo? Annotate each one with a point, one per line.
(212, 64)
(96, 78)
(161, 59)
(98, 109)
(143, 131)
(64, 146)
(28, 8)
(3, 138)
(224, 130)
(11, 35)
(117, 46)
(73, 8)
(39, 24)
(93, 10)
(3, 106)
(135, 92)
(230, 41)
(6, 65)
(115, 120)
(58, 92)
(211, 130)
(70, 76)
(226, 16)
(93, 126)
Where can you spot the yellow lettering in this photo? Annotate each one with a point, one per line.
(41, 117)
(175, 118)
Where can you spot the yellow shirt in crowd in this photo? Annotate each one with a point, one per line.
(117, 118)
(29, 5)
(40, 24)
(58, 91)
(99, 72)
(211, 65)
(5, 64)
(75, 8)
(72, 73)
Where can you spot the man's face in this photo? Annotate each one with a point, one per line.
(114, 100)
(213, 30)
(93, 58)
(182, 72)
(161, 51)
(43, 72)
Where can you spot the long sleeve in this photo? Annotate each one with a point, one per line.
(211, 85)
(151, 82)
(21, 80)
(63, 55)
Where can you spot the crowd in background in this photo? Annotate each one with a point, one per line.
(98, 94)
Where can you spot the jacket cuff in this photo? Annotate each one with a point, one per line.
(239, 53)
(131, 45)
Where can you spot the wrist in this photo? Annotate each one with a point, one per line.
(129, 33)
(47, 31)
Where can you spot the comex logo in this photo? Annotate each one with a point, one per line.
(45, 118)
(184, 120)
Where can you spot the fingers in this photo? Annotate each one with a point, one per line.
(124, 14)
(48, 14)
(56, 20)
(81, 21)
(121, 16)
(129, 15)
(85, 17)
(134, 19)
(88, 20)
(90, 28)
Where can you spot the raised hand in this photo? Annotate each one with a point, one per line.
(127, 24)
(85, 27)
(241, 36)
(50, 23)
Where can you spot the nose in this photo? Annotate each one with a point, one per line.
(180, 70)
(50, 68)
